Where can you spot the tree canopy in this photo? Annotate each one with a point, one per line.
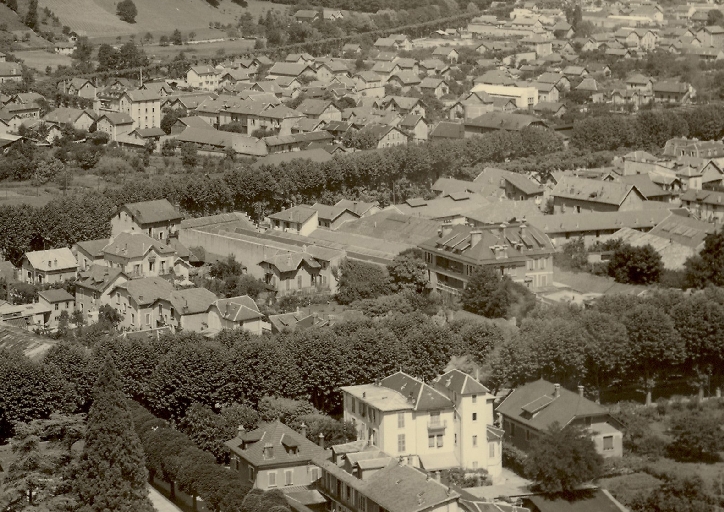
(126, 10)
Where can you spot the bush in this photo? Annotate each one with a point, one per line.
(514, 459)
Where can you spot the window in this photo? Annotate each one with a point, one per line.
(456, 439)
(148, 318)
(314, 474)
(431, 441)
(475, 464)
(160, 310)
(512, 429)
(288, 478)
(272, 479)
(151, 265)
(543, 263)
(527, 435)
(251, 474)
(439, 441)
(475, 416)
(400, 420)
(475, 440)
(491, 450)
(353, 404)
(607, 443)
(435, 418)
(475, 399)
(56, 307)
(401, 443)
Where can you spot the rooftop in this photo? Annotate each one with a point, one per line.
(152, 212)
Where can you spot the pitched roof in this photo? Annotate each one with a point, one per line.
(643, 184)
(135, 245)
(274, 444)
(299, 214)
(683, 230)
(147, 290)
(328, 212)
(590, 500)
(93, 247)
(117, 118)
(459, 382)
(426, 398)
(674, 87)
(64, 115)
(703, 196)
(143, 95)
(238, 309)
(535, 405)
(504, 121)
(52, 259)
(288, 69)
(315, 155)
(393, 227)
(448, 130)
(152, 212)
(191, 301)
(290, 261)
(598, 221)
(97, 277)
(314, 107)
(596, 191)
(56, 295)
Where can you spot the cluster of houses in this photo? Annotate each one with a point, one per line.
(410, 433)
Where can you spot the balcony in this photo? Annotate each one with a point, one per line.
(436, 426)
(448, 289)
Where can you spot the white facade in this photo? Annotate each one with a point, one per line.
(525, 97)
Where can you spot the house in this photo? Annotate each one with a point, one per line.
(189, 309)
(319, 109)
(189, 122)
(448, 54)
(531, 409)
(115, 124)
(494, 121)
(75, 117)
(448, 131)
(551, 108)
(356, 478)
(353, 48)
(10, 72)
(445, 424)
(672, 92)
(57, 300)
(681, 146)
(547, 93)
(575, 71)
(143, 106)
(707, 205)
(517, 250)
(578, 195)
(219, 142)
(291, 322)
(291, 70)
(519, 187)
(306, 16)
(158, 219)
(235, 313)
(64, 47)
(404, 105)
(203, 77)
(359, 208)
(387, 136)
(139, 255)
(300, 219)
(525, 97)
(81, 87)
(405, 80)
(649, 190)
(416, 126)
(89, 252)
(294, 272)
(369, 83)
(93, 287)
(142, 303)
(273, 456)
(50, 266)
(559, 80)
(437, 87)
(331, 217)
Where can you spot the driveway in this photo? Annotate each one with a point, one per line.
(160, 502)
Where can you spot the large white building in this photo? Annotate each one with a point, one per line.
(445, 424)
(524, 97)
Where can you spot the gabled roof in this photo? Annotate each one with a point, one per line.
(460, 383)
(56, 295)
(274, 444)
(357, 207)
(448, 130)
(52, 259)
(289, 69)
(117, 118)
(426, 398)
(64, 115)
(143, 95)
(582, 189)
(135, 245)
(93, 247)
(312, 107)
(147, 290)
(238, 309)
(298, 214)
(191, 301)
(98, 277)
(504, 121)
(643, 184)
(203, 70)
(290, 261)
(598, 221)
(330, 213)
(535, 405)
(152, 212)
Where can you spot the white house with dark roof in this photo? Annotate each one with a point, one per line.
(203, 77)
(158, 219)
(300, 219)
(442, 425)
(57, 300)
(528, 411)
(579, 195)
(235, 313)
(50, 266)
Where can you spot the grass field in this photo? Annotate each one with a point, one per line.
(40, 59)
(201, 50)
(97, 18)
(15, 193)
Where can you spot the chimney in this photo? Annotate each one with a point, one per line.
(446, 229)
(437, 476)
(321, 440)
(410, 398)
(303, 426)
(580, 391)
(502, 230)
(240, 431)
(556, 390)
(475, 237)
(522, 229)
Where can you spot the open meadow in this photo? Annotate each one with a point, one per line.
(41, 59)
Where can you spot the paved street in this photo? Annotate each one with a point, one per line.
(160, 502)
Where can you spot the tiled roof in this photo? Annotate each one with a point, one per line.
(147, 290)
(299, 214)
(459, 382)
(63, 115)
(143, 95)
(643, 184)
(393, 227)
(288, 447)
(97, 277)
(117, 118)
(535, 405)
(93, 247)
(315, 155)
(288, 69)
(607, 192)
(135, 246)
(703, 196)
(17, 338)
(151, 212)
(593, 500)
(328, 212)
(290, 261)
(426, 398)
(238, 309)
(56, 295)
(313, 107)
(599, 221)
(504, 121)
(191, 300)
(52, 259)
(448, 130)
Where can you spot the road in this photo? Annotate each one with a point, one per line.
(160, 503)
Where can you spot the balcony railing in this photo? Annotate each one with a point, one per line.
(436, 426)
(448, 289)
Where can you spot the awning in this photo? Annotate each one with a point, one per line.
(437, 461)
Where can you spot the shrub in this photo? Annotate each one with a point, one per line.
(514, 459)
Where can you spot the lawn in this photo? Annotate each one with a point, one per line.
(201, 50)
(24, 192)
(40, 59)
(97, 18)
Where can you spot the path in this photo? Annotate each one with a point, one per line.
(160, 502)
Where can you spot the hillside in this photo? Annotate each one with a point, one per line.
(97, 18)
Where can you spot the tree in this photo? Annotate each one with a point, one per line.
(408, 271)
(126, 10)
(484, 294)
(636, 265)
(708, 266)
(12, 5)
(189, 154)
(31, 18)
(177, 38)
(358, 280)
(111, 472)
(562, 459)
(697, 437)
(29, 478)
(148, 37)
(676, 494)
(714, 17)
(163, 41)
(207, 430)
(108, 315)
